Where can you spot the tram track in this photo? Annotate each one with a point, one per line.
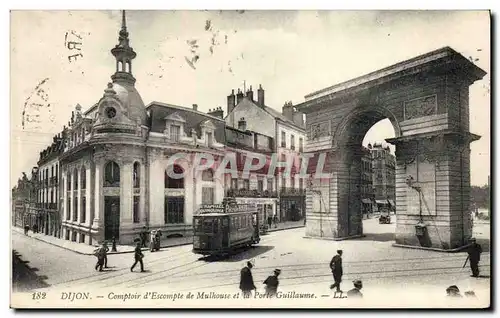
(327, 278)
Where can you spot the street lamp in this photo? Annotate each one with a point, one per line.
(420, 227)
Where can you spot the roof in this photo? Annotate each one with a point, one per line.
(271, 111)
(193, 118)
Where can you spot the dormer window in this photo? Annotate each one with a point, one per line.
(175, 132)
(209, 139)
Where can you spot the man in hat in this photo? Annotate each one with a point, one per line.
(356, 291)
(336, 267)
(138, 257)
(272, 283)
(453, 291)
(104, 252)
(246, 280)
(474, 255)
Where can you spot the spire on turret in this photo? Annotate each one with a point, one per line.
(124, 54)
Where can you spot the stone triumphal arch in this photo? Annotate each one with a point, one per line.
(427, 101)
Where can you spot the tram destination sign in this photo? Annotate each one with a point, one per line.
(211, 208)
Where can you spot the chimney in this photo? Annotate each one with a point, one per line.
(242, 124)
(239, 96)
(195, 107)
(230, 102)
(217, 112)
(250, 94)
(298, 117)
(260, 96)
(287, 111)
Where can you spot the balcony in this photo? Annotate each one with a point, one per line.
(245, 193)
(289, 192)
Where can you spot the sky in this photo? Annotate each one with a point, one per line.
(291, 53)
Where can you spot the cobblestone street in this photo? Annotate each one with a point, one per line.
(304, 265)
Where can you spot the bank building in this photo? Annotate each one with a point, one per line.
(113, 167)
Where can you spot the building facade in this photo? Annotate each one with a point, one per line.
(288, 134)
(23, 199)
(121, 160)
(366, 182)
(49, 198)
(384, 175)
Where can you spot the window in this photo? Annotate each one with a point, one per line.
(68, 182)
(234, 183)
(112, 175)
(301, 145)
(207, 175)
(292, 142)
(283, 182)
(209, 139)
(207, 195)
(83, 208)
(136, 175)
(136, 209)
(83, 179)
(292, 182)
(269, 184)
(246, 184)
(68, 208)
(260, 185)
(175, 132)
(52, 171)
(301, 183)
(178, 181)
(75, 180)
(283, 139)
(174, 210)
(75, 209)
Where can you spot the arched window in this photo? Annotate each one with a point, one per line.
(75, 180)
(112, 175)
(127, 67)
(52, 171)
(137, 175)
(68, 182)
(83, 178)
(120, 66)
(208, 175)
(174, 183)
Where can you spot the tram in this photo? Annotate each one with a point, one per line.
(222, 228)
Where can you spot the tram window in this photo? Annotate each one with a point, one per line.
(224, 222)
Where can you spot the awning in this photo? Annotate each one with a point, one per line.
(391, 202)
(381, 202)
(367, 201)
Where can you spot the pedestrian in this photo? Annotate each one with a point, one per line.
(104, 252)
(336, 267)
(275, 219)
(470, 294)
(144, 236)
(453, 291)
(269, 221)
(356, 291)
(26, 229)
(272, 283)
(35, 228)
(100, 258)
(474, 255)
(246, 280)
(138, 256)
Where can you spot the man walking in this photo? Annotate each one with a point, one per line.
(336, 267)
(104, 251)
(272, 283)
(246, 280)
(474, 256)
(138, 257)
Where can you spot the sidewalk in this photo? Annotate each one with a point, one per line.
(287, 226)
(85, 249)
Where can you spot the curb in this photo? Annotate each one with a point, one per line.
(288, 228)
(335, 238)
(434, 249)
